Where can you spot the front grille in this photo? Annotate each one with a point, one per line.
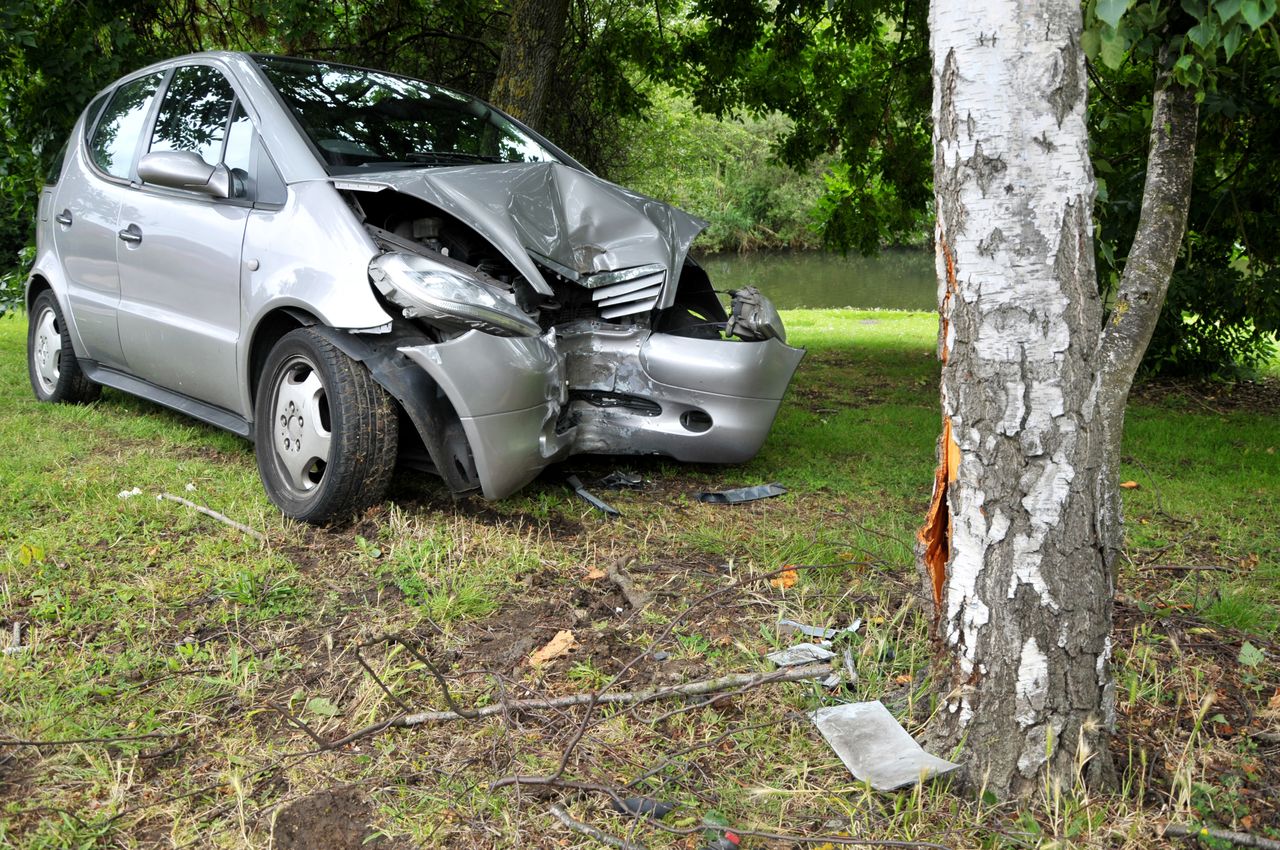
(636, 295)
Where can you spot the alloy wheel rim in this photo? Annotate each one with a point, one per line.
(300, 428)
(46, 351)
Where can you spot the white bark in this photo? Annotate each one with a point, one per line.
(1025, 607)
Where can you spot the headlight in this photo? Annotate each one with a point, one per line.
(446, 297)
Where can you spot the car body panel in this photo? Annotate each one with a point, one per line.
(179, 313)
(571, 220)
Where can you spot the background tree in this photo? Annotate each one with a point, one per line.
(529, 56)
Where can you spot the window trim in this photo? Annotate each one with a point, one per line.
(147, 122)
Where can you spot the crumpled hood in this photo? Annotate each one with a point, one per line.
(567, 219)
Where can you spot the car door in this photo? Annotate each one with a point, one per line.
(86, 209)
(179, 250)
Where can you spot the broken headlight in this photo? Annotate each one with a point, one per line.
(446, 297)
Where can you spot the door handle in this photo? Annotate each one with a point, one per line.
(131, 234)
(63, 218)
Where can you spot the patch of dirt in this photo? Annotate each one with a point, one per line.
(335, 819)
(1200, 396)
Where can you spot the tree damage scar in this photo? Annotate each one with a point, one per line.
(935, 534)
(944, 309)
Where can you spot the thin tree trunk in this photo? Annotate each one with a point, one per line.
(1012, 553)
(529, 58)
(1162, 223)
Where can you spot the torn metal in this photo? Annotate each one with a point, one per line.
(801, 653)
(875, 747)
(742, 494)
(591, 498)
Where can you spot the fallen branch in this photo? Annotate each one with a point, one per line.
(689, 689)
(1186, 567)
(1240, 839)
(222, 518)
(636, 598)
(591, 832)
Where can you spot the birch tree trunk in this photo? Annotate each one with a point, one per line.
(1019, 545)
(1014, 546)
(529, 58)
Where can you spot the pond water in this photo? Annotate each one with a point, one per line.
(900, 279)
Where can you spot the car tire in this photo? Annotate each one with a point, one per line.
(51, 361)
(325, 431)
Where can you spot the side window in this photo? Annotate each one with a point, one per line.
(116, 137)
(239, 142)
(194, 113)
(55, 168)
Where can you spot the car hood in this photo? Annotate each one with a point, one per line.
(544, 212)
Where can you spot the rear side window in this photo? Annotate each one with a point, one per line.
(115, 140)
(194, 113)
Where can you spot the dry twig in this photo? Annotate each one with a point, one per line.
(636, 598)
(591, 832)
(1240, 839)
(222, 518)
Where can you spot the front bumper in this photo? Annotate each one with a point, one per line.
(594, 387)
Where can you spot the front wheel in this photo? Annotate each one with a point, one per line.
(51, 361)
(325, 431)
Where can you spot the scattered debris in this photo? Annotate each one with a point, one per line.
(591, 498)
(875, 747)
(15, 646)
(787, 626)
(717, 834)
(742, 494)
(558, 647)
(646, 806)
(1129, 485)
(191, 487)
(129, 494)
(636, 597)
(661, 656)
(619, 480)
(850, 672)
(222, 518)
(801, 653)
(787, 578)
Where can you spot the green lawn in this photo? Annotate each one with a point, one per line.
(145, 618)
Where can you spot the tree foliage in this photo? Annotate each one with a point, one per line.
(1223, 306)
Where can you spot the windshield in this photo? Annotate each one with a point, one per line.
(365, 120)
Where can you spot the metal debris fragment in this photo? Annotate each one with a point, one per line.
(875, 747)
(817, 631)
(801, 653)
(619, 480)
(16, 645)
(742, 494)
(591, 498)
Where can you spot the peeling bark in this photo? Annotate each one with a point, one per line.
(529, 58)
(1025, 523)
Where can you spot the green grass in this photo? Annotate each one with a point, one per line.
(144, 617)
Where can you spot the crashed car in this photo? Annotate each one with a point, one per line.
(349, 267)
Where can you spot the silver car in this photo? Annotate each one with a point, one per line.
(349, 267)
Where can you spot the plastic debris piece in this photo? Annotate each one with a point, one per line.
(816, 631)
(129, 494)
(618, 480)
(875, 747)
(661, 656)
(850, 675)
(16, 645)
(742, 494)
(646, 806)
(592, 499)
(801, 653)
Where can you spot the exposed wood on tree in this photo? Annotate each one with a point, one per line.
(1033, 387)
(529, 58)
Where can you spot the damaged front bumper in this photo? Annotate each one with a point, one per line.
(593, 387)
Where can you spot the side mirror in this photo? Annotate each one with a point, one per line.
(185, 170)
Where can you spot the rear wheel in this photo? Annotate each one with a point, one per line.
(326, 432)
(51, 361)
